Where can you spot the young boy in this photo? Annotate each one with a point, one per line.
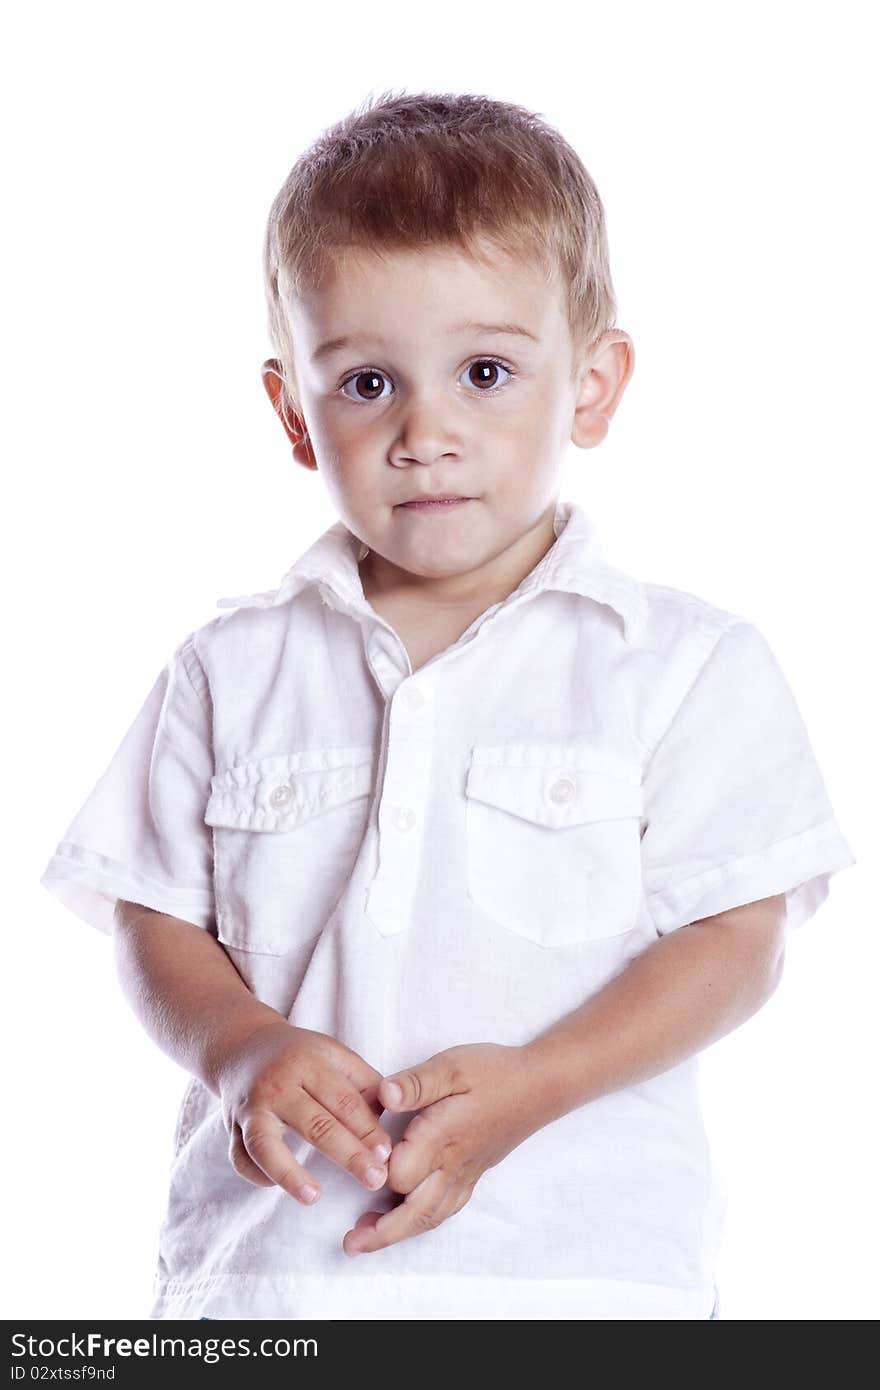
(438, 866)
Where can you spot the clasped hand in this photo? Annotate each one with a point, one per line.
(474, 1103)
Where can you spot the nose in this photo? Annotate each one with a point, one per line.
(424, 434)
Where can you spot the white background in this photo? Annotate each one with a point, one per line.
(145, 476)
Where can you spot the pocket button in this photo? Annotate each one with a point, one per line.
(562, 790)
(280, 796)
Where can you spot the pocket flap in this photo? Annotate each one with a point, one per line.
(556, 784)
(278, 793)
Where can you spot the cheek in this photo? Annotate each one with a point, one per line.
(531, 411)
(353, 476)
(353, 442)
(523, 443)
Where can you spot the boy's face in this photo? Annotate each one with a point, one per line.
(426, 397)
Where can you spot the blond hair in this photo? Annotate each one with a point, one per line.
(411, 171)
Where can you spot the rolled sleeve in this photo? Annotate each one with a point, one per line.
(735, 805)
(141, 833)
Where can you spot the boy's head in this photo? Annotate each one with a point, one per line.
(458, 245)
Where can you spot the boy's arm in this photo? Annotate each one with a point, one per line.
(682, 993)
(269, 1075)
(184, 989)
(687, 990)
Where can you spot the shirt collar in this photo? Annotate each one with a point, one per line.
(573, 564)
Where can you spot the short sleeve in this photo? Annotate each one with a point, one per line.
(141, 833)
(735, 804)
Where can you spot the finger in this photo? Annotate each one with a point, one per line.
(364, 1077)
(365, 1223)
(243, 1163)
(367, 1220)
(337, 1121)
(423, 1146)
(377, 1140)
(366, 1080)
(354, 1104)
(371, 1096)
(423, 1210)
(263, 1144)
(263, 1141)
(303, 1111)
(430, 1081)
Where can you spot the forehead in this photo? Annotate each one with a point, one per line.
(446, 287)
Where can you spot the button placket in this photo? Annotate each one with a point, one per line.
(402, 809)
(386, 658)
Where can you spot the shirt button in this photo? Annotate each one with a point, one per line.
(563, 790)
(279, 796)
(414, 697)
(404, 818)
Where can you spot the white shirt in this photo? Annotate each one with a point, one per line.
(410, 861)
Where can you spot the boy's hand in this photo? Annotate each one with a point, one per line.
(476, 1102)
(280, 1077)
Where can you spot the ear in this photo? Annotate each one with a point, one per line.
(294, 428)
(607, 370)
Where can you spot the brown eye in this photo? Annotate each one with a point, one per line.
(484, 372)
(368, 386)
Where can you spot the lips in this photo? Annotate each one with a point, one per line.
(437, 496)
(438, 500)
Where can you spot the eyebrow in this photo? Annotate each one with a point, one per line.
(504, 329)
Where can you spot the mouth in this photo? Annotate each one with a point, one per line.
(430, 504)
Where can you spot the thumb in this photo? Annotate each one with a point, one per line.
(417, 1086)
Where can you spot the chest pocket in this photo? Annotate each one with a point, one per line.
(287, 830)
(554, 840)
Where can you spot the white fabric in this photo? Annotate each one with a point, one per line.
(463, 854)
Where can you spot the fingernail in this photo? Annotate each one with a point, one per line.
(382, 1150)
(375, 1177)
(308, 1193)
(394, 1092)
